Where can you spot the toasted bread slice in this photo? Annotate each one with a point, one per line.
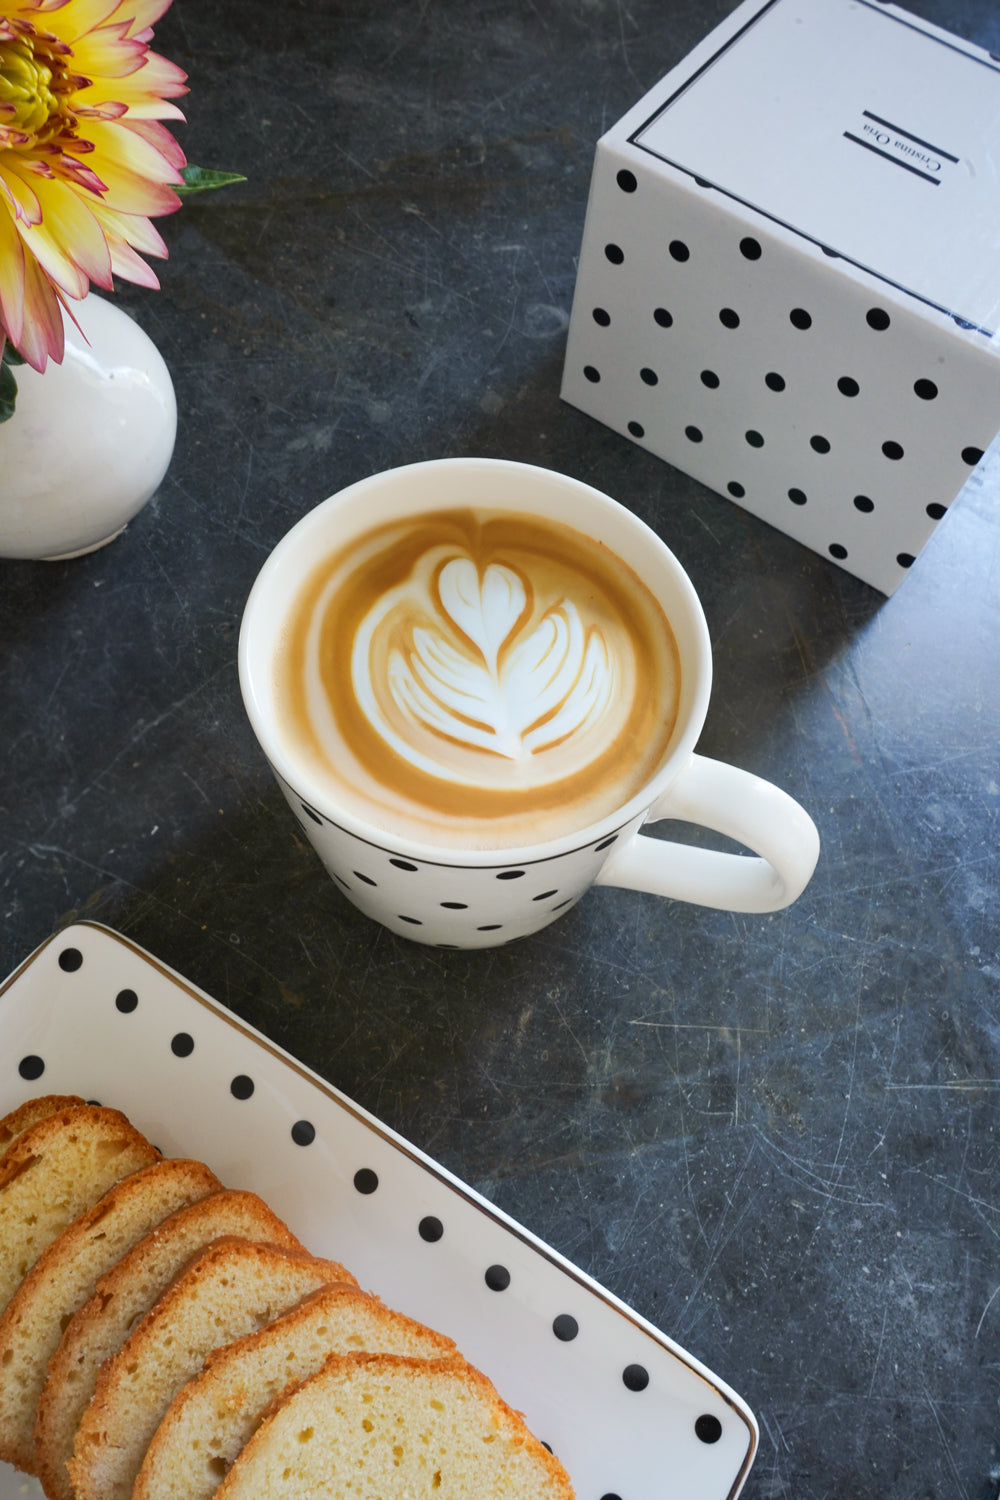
(375, 1425)
(233, 1288)
(211, 1418)
(18, 1120)
(64, 1276)
(53, 1172)
(121, 1298)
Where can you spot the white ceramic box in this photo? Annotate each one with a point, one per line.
(789, 282)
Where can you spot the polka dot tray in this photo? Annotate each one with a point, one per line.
(630, 1414)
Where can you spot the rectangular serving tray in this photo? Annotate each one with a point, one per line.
(630, 1414)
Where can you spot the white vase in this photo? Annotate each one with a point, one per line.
(89, 441)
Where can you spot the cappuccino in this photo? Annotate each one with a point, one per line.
(476, 678)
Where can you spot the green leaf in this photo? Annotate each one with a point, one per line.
(12, 356)
(203, 179)
(8, 391)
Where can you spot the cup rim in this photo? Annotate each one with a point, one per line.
(695, 695)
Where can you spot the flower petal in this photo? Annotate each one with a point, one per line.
(42, 334)
(68, 223)
(11, 278)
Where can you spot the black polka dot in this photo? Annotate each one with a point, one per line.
(591, 373)
(635, 1377)
(750, 248)
(936, 511)
(311, 813)
(710, 379)
(877, 318)
(797, 497)
(848, 386)
(693, 434)
(601, 316)
(365, 879)
(455, 905)
(838, 551)
(404, 864)
(626, 180)
(708, 1429)
(925, 389)
(611, 1496)
(679, 250)
(490, 927)
(366, 1181)
(182, 1044)
(636, 429)
(729, 318)
(303, 1132)
(70, 959)
(971, 455)
(892, 450)
(242, 1086)
(606, 843)
(430, 1229)
(31, 1067)
(664, 318)
(754, 438)
(511, 874)
(905, 559)
(736, 489)
(819, 444)
(412, 921)
(615, 254)
(565, 1327)
(799, 318)
(648, 376)
(774, 381)
(544, 895)
(497, 1278)
(864, 503)
(126, 1001)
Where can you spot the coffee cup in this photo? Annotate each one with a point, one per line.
(476, 682)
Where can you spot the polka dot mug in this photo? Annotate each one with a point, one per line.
(480, 897)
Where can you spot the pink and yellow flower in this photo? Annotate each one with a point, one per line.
(85, 163)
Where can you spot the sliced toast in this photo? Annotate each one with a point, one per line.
(212, 1418)
(65, 1275)
(121, 1298)
(233, 1288)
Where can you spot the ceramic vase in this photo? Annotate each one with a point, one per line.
(90, 439)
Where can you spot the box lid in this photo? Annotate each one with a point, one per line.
(854, 125)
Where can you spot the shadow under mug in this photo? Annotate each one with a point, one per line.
(477, 898)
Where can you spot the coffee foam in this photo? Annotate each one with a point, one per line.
(476, 679)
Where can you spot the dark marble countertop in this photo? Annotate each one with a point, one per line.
(776, 1137)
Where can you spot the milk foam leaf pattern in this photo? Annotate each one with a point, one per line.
(511, 695)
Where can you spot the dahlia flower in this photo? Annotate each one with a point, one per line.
(84, 161)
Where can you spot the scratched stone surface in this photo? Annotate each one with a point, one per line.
(775, 1137)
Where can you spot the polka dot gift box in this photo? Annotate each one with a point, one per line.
(789, 282)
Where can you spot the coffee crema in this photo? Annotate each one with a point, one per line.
(476, 679)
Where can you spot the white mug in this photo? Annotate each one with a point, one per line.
(477, 898)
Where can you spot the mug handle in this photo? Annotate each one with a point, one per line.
(741, 806)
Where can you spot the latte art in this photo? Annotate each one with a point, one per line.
(481, 676)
